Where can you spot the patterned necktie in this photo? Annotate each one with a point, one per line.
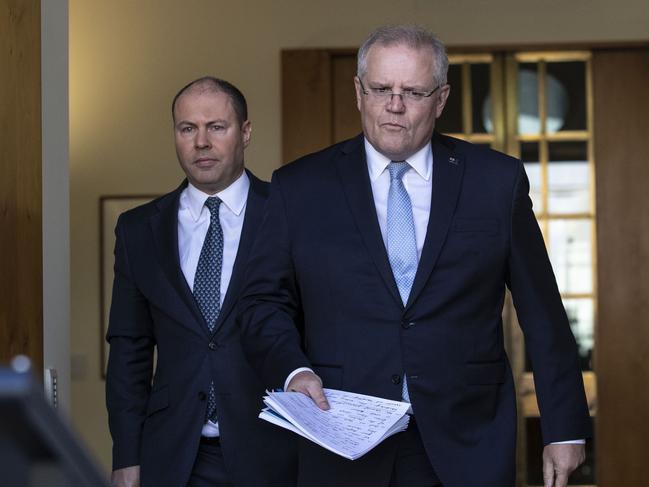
(207, 281)
(402, 245)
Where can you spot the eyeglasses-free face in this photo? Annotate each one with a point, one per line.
(210, 139)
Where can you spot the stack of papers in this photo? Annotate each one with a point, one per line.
(353, 425)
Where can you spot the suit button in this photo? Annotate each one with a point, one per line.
(202, 396)
(407, 324)
(211, 346)
(396, 379)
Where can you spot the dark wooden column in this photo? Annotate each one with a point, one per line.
(21, 280)
(621, 108)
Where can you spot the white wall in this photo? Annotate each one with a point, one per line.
(128, 58)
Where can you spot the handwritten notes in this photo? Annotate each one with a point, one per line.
(354, 425)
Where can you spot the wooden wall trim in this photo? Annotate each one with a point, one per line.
(495, 48)
(562, 46)
(21, 282)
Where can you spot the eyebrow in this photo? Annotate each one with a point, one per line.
(210, 122)
(390, 85)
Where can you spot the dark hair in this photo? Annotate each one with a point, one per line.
(412, 36)
(210, 83)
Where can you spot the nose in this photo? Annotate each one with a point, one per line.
(202, 141)
(396, 104)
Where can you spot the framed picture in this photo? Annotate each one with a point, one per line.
(110, 207)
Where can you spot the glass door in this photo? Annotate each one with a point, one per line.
(537, 106)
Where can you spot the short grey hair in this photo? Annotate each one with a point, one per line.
(412, 36)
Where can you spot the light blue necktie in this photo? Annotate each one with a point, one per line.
(207, 281)
(402, 244)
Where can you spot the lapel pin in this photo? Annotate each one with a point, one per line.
(454, 160)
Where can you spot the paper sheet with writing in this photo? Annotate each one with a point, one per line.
(353, 425)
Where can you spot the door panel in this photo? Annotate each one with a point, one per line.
(621, 105)
(346, 120)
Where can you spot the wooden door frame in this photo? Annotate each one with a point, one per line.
(307, 125)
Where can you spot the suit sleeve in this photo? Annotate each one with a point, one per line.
(549, 340)
(130, 363)
(270, 307)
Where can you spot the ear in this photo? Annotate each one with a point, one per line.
(246, 132)
(359, 93)
(440, 102)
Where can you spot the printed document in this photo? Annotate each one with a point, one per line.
(353, 425)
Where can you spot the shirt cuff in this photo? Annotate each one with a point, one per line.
(293, 374)
(569, 442)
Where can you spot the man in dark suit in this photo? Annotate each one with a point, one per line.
(391, 252)
(179, 262)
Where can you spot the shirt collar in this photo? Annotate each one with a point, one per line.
(234, 196)
(421, 161)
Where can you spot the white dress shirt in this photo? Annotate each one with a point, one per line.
(193, 223)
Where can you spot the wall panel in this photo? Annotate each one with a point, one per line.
(21, 293)
(621, 104)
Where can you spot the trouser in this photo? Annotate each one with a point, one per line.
(209, 468)
(412, 467)
(399, 461)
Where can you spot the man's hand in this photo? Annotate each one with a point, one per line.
(559, 461)
(126, 477)
(310, 384)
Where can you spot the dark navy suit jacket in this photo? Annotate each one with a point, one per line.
(156, 422)
(320, 263)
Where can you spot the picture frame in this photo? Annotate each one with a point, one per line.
(110, 208)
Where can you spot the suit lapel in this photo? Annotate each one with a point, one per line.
(448, 169)
(352, 168)
(254, 211)
(164, 226)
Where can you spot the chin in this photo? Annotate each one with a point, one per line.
(396, 153)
